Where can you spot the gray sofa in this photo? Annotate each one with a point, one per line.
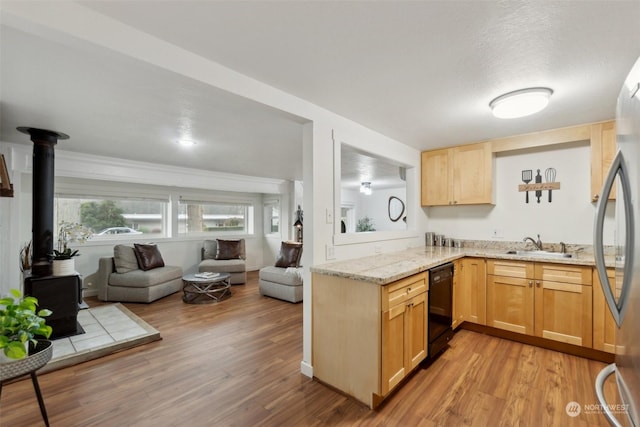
(133, 284)
(233, 260)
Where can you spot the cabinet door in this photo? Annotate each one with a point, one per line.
(459, 295)
(604, 327)
(510, 303)
(394, 346)
(475, 288)
(472, 174)
(603, 150)
(417, 328)
(436, 178)
(563, 312)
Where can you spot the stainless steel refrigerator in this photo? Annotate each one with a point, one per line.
(624, 301)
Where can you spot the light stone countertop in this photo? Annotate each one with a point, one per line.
(386, 268)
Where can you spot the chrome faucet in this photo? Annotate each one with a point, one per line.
(537, 243)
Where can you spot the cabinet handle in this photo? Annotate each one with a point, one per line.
(455, 202)
(537, 283)
(530, 283)
(408, 290)
(595, 197)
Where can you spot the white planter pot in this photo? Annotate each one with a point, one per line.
(64, 267)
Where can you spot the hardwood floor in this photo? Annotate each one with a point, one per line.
(237, 363)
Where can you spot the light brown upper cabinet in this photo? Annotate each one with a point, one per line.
(603, 150)
(460, 175)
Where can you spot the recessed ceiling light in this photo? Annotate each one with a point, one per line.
(520, 103)
(186, 142)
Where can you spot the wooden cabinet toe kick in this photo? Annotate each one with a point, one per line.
(549, 344)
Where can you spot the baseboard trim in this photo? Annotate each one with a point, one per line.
(306, 369)
(575, 350)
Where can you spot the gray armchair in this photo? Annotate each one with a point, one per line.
(225, 256)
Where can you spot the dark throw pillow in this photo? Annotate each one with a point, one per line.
(229, 249)
(290, 253)
(148, 256)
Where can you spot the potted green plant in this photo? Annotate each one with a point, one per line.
(62, 257)
(365, 224)
(20, 323)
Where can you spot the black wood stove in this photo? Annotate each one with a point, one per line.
(63, 294)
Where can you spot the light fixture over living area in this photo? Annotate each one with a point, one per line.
(520, 103)
(186, 142)
(365, 187)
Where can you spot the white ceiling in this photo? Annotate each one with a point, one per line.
(421, 72)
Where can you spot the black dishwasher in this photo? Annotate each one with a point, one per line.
(440, 308)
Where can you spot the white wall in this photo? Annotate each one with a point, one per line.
(68, 20)
(568, 218)
(15, 218)
(375, 206)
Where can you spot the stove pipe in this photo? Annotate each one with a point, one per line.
(42, 207)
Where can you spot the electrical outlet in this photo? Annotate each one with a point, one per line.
(331, 252)
(496, 233)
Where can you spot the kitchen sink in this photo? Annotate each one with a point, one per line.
(541, 254)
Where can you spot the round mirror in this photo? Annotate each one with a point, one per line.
(396, 208)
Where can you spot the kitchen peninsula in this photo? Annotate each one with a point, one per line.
(370, 314)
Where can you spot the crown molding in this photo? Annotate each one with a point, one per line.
(89, 166)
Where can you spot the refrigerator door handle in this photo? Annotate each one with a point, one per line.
(619, 168)
(600, 379)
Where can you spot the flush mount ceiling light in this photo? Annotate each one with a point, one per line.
(365, 187)
(520, 103)
(186, 142)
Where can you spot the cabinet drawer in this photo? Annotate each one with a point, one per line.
(403, 290)
(521, 269)
(564, 273)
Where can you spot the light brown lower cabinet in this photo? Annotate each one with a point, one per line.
(367, 337)
(404, 340)
(604, 327)
(469, 291)
(459, 296)
(552, 301)
(474, 278)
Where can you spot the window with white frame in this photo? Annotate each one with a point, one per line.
(113, 218)
(204, 217)
(271, 217)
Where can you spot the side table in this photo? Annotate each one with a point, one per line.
(29, 365)
(205, 288)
